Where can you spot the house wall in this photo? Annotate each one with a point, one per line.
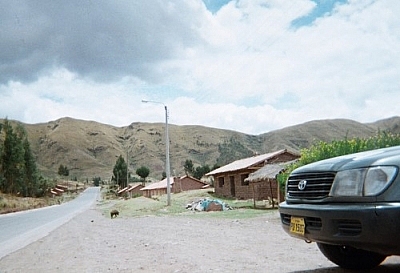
(137, 191)
(155, 192)
(244, 190)
(262, 190)
(177, 185)
(146, 193)
(187, 184)
(240, 190)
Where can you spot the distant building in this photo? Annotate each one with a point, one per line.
(178, 184)
(232, 180)
(131, 190)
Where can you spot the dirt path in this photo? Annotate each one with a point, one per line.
(92, 242)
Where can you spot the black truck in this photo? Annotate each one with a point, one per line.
(348, 205)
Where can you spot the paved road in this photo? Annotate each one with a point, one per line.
(22, 228)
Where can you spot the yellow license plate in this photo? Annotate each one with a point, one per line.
(297, 225)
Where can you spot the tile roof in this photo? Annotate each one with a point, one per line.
(246, 162)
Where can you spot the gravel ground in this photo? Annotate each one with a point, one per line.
(92, 242)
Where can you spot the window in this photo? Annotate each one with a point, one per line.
(242, 178)
(221, 181)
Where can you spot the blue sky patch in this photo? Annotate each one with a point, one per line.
(215, 5)
(322, 8)
(161, 93)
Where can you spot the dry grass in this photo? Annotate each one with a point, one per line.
(142, 206)
(11, 203)
(90, 148)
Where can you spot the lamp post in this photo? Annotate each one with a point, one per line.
(127, 167)
(167, 166)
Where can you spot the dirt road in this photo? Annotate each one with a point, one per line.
(92, 242)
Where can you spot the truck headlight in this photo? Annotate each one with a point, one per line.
(363, 182)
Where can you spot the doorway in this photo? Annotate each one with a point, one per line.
(232, 184)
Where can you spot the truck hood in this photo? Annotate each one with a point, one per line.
(385, 156)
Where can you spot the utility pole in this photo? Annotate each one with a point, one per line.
(167, 165)
(127, 168)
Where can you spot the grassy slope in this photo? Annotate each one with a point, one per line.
(143, 206)
(90, 149)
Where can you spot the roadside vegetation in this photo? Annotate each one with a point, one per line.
(10, 203)
(22, 186)
(13, 203)
(323, 150)
(142, 206)
(18, 172)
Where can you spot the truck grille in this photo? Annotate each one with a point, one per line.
(318, 185)
(349, 227)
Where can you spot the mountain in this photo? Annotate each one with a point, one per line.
(90, 149)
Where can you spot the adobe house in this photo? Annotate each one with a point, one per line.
(231, 180)
(264, 183)
(178, 184)
(131, 190)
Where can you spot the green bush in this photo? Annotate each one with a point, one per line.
(323, 150)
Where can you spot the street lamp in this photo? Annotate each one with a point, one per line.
(167, 171)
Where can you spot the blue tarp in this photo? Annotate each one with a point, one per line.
(204, 205)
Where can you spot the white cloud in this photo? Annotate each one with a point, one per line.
(245, 68)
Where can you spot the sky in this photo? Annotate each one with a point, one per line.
(251, 66)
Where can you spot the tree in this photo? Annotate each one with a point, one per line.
(31, 172)
(42, 186)
(19, 174)
(200, 171)
(12, 161)
(120, 172)
(143, 172)
(188, 167)
(96, 181)
(63, 170)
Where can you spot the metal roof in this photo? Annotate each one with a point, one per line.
(129, 188)
(158, 185)
(246, 162)
(163, 183)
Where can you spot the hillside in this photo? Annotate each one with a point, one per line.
(90, 149)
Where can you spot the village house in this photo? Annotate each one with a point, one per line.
(232, 180)
(131, 190)
(178, 184)
(264, 184)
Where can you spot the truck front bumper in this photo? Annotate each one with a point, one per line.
(373, 227)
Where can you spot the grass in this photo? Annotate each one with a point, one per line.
(142, 206)
(11, 203)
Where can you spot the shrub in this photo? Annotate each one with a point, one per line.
(323, 150)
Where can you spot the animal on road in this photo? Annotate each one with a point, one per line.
(114, 213)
